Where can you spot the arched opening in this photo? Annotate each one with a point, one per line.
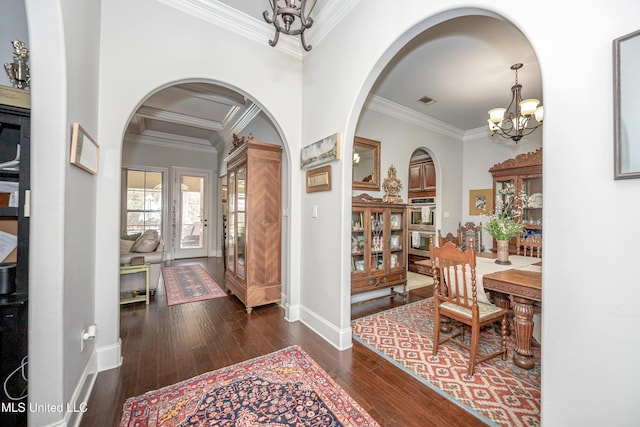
(429, 98)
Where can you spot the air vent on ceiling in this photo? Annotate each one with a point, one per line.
(426, 100)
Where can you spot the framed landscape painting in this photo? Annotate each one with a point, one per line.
(324, 151)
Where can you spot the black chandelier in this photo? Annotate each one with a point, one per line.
(515, 121)
(284, 17)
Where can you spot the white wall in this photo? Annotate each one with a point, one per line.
(198, 50)
(587, 339)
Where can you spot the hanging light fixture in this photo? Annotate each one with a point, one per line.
(515, 121)
(284, 17)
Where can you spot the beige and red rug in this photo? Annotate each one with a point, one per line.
(499, 393)
(285, 388)
(189, 283)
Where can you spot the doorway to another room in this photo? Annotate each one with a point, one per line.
(191, 214)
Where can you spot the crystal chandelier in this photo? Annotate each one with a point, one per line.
(284, 17)
(515, 121)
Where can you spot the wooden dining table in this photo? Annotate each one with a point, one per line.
(523, 287)
(518, 288)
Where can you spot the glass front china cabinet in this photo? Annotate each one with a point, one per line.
(378, 246)
(520, 178)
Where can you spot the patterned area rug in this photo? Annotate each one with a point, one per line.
(285, 388)
(189, 283)
(499, 393)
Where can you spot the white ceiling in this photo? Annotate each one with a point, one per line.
(464, 64)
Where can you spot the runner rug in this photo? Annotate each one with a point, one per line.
(499, 393)
(189, 283)
(285, 388)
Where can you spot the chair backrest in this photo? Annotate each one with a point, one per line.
(533, 243)
(455, 275)
(469, 232)
(448, 238)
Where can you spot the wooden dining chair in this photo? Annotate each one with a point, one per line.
(448, 238)
(470, 232)
(533, 243)
(455, 297)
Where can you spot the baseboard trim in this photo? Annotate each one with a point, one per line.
(339, 338)
(109, 356)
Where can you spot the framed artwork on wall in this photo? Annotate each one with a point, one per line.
(84, 150)
(319, 179)
(324, 151)
(480, 201)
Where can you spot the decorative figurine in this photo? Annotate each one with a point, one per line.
(18, 71)
(392, 187)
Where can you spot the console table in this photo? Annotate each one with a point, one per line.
(131, 269)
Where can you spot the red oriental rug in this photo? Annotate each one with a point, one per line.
(189, 283)
(499, 393)
(285, 388)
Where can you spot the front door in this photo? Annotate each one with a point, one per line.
(191, 214)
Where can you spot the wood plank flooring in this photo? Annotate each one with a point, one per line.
(164, 345)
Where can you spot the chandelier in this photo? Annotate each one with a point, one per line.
(284, 17)
(515, 121)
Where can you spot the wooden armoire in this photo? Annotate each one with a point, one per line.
(253, 237)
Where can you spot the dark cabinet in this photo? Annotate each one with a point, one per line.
(422, 178)
(14, 219)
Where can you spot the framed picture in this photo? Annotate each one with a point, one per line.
(626, 106)
(319, 179)
(395, 221)
(84, 150)
(395, 241)
(324, 151)
(480, 202)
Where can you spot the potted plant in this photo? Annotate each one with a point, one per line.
(504, 223)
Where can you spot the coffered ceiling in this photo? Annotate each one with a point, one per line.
(463, 64)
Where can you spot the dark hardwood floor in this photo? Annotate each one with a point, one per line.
(163, 345)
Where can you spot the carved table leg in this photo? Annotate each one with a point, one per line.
(523, 315)
(501, 300)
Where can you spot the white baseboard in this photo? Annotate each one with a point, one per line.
(340, 339)
(109, 356)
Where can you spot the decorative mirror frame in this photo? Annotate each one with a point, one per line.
(626, 80)
(374, 184)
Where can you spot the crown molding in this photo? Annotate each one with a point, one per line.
(328, 17)
(182, 119)
(188, 144)
(477, 133)
(257, 30)
(237, 22)
(400, 112)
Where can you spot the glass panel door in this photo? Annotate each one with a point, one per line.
(231, 227)
(377, 241)
(241, 225)
(192, 231)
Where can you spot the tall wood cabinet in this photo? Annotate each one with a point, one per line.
(523, 174)
(14, 219)
(253, 222)
(378, 245)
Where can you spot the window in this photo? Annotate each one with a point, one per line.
(144, 201)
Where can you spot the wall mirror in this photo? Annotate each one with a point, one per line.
(626, 63)
(366, 164)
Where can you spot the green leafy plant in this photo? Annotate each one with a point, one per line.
(505, 223)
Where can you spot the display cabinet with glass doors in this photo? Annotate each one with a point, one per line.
(378, 246)
(517, 184)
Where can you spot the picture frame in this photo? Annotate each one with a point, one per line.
(395, 221)
(394, 242)
(626, 85)
(319, 179)
(324, 151)
(481, 202)
(85, 151)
